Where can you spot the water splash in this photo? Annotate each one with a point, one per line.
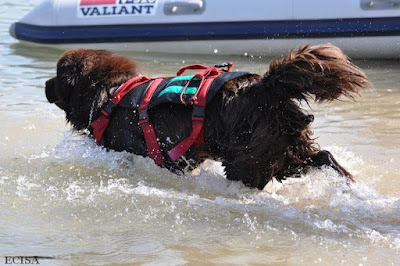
(78, 185)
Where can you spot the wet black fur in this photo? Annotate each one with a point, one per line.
(254, 125)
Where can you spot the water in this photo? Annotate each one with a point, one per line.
(63, 196)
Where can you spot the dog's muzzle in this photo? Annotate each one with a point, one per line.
(51, 94)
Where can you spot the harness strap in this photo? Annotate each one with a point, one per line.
(183, 146)
(100, 125)
(150, 136)
(127, 87)
(199, 102)
(192, 67)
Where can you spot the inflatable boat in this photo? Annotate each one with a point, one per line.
(362, 28)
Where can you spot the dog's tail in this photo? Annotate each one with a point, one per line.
(321, 72)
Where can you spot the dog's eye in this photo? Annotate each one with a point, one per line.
(63, 89)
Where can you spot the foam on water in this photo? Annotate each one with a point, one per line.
(86, 190)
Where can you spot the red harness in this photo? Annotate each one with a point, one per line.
(198, 100)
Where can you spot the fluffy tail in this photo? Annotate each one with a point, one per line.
(320, 72)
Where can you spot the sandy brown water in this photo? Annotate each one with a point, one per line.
(63, 196)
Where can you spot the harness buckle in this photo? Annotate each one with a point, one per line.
(143, 117)
(223, 64)
(198, 111)
(143, 121)
(228, 66)
(108, 108)
(143, 114)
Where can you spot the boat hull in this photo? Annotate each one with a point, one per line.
(365, 36)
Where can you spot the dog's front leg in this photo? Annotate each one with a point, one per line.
(248, 176)
(325, 158)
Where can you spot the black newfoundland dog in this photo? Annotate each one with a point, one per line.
(253, 124)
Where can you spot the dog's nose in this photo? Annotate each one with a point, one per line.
(50, 91)
(51, 94)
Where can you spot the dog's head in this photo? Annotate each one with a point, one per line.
(81, 75)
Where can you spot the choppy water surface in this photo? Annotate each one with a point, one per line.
(63, 196)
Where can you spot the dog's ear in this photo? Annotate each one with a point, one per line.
(68, 68)
(68, 74)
